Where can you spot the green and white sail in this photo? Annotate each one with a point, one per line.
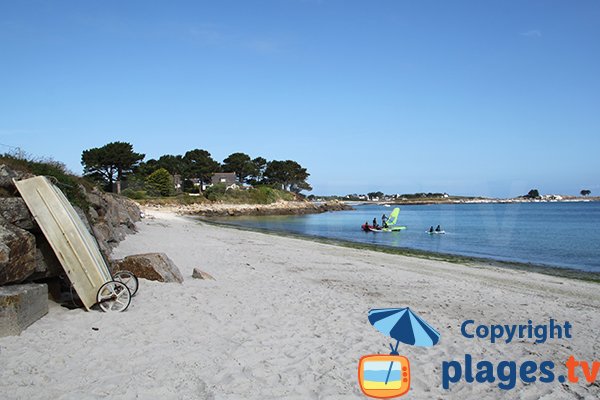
(393, 218)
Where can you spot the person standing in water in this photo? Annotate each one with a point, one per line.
(384, 220)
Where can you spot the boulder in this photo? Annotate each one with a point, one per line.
(21, 306)
(199, 274)
(151, 266)
(46, 262)
(15, 211)
(334, 205)
(7, 174)
(17, 253)
(112, 217)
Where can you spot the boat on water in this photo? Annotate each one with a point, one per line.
(436, 232)
(390, 224)
(389, 229)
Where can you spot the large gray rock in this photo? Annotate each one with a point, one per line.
(15, 211)
(17, 253)
(21, 306)
(151, 266)
(7, 174)
(46, 262)
(112, 218)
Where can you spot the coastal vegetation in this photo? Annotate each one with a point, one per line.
(160, 183)
(117, 166)
(110, 163)
(257, 195)
(532, 194)
(69, 183)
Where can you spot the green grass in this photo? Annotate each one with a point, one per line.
(68, 183)
(256, 195)
(216, 194)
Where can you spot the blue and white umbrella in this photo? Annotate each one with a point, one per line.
(404, 325)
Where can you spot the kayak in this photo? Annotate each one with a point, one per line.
(436, 232)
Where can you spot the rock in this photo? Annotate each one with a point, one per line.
(17, 253)
(152, 266)
(15, 211)
(83, 218)
(334, 205)
(93, 213)
(46, 262)
(21, 306)
(199, 274)
(112, 218)
(7, 174)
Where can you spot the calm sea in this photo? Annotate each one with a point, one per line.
(555, 234)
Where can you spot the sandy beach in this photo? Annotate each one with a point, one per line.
(287, 319)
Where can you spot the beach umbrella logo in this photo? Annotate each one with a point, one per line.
(386, 376)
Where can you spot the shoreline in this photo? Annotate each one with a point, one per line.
(551, 270)
(471, 201)
(216, 210)
(237, 210)
(287, 318)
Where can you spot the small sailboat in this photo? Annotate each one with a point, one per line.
(391, 224)
(392, 220)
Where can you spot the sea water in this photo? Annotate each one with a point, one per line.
(562, 234)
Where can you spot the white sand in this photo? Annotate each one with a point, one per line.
(287, 319)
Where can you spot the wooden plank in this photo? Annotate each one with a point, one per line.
(74, 246)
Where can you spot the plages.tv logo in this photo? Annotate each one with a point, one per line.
(385, 376)
(506, 373)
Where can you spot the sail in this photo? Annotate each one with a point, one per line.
(393, 217)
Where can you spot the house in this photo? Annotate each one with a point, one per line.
(177, 182)
(228, 178)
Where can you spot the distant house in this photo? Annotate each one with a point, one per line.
(228, 178)
(177, 182)
(196, 182)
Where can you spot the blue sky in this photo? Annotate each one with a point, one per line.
(468, 97)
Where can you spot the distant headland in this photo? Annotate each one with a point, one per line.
(533, 196)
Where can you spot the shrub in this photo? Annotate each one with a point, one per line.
(134, 194)
(257, 195)
(160, 183)
(65, 180)
(215, 192)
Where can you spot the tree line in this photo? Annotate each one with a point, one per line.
(117, 162)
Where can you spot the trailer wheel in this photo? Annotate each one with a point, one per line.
(129, 279)
(113, 296)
